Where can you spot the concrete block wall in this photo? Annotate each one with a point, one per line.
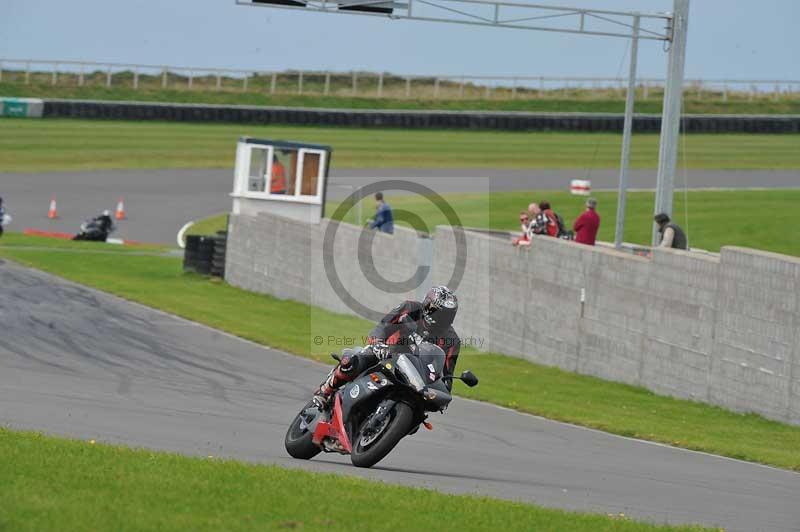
(723, 329)
(756, 362)
(285, 258)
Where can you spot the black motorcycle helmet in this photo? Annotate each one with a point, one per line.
(439, 308)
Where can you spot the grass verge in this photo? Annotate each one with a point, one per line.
(712, 218)
(515, 383)
(711, 223)
(66, 144)
(575, 102)
(57, 484)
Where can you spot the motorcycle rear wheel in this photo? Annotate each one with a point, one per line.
(299, 441)
(400, 424)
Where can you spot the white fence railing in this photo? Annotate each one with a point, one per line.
(369, 84)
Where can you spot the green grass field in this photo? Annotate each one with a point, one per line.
(54, 484)
(515, 383)
(557, 101)
(713, 221)
(54, 144)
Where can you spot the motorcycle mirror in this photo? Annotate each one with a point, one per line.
(336, 357)
(469, 378)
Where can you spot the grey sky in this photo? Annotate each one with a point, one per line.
(727, 39)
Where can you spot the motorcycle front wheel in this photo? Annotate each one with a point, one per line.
(298, 440)
(370, 448)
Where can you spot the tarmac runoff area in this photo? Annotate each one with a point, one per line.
(80, 363)
(160, 202)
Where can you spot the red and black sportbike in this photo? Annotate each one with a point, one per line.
(370, 415)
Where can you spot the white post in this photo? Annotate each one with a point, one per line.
(436, 88)
(626, 137)
(108, 76)
(408, 87)
(219, 81)
(671, 115)
(327, 88)
(355, 83)
(272, 82)
(164, 78)
(135, 77)
(300, 82)
(380, 86)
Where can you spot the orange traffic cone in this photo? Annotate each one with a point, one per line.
(52, 213)
(120, 214)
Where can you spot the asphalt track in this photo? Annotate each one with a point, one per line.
(160, 202)
(77, 362)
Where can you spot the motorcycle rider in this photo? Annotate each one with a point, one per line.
(105, 222)
(431, 319)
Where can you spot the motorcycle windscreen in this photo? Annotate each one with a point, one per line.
(431, 361)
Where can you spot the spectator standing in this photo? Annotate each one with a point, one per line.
(546, 222)
(587, 224)
(384, 219)
(525, 223)
(4, 219)
(672, 236)
(278, 182)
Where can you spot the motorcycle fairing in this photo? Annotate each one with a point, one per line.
(334, 428)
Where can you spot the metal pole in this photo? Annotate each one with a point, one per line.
(436, 88)
(54, 78)
(164, 78)
(272, 82)
(355, 83)
(244, 82)
(408, 87)
(219, 81)
(108, 76)
(27, 73)
(626, 137)
(80, 76)
(300, 82)
(1, 71)
(380, 88)
(327, 83)
(136, 77)
(671, 115)
(191, 78)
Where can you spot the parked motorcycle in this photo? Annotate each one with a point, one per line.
(95, 230)
(370, 415)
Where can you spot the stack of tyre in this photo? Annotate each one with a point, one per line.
(205, 254)
(218, 258)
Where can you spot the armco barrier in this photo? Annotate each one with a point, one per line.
(411, 119)
(722, 329)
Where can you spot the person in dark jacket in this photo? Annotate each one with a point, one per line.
(384, 219)
(430, 320)
(587, 224)
(2, 216)
(672, 236)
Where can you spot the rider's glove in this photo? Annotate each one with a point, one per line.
(381, 350)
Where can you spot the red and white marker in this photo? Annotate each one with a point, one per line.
(52, 212)
(580, 187)
(120, 214)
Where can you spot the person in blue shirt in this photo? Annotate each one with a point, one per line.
(384, 220)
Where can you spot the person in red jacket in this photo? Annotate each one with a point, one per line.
(587, 224)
